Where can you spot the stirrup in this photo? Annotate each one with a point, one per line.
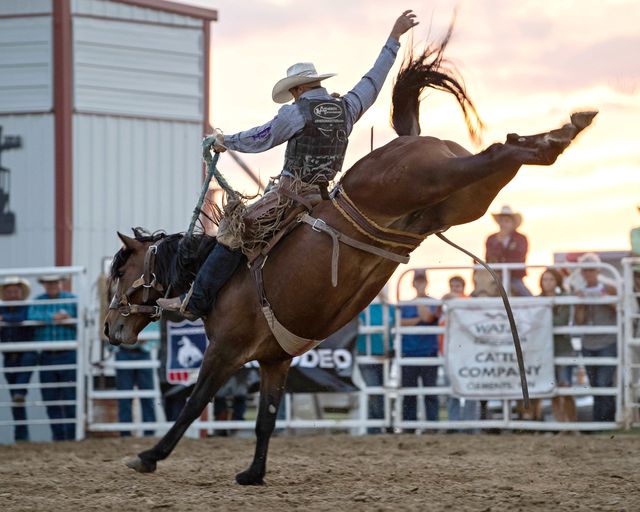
(185, 302)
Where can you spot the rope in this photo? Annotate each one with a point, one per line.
(207, 144)
(212, 172)
(507, 307)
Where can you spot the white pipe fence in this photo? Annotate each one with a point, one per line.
(389, 358)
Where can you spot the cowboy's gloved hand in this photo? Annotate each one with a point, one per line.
(405, 22)
(214, 141)
(218, 143)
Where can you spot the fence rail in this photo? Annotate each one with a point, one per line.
(389, 392)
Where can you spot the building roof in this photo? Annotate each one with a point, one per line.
(174, 7)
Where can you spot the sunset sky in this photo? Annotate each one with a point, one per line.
(526, 67)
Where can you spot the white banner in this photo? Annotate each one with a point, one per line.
(480, 356)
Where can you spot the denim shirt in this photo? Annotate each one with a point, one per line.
(290, 120)
(45, 312)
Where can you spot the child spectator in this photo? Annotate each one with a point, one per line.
(471, 408)
(420, 345)
(563, 407)
(378, 346)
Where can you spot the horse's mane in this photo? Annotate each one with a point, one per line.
(178, 258)
(429, 70)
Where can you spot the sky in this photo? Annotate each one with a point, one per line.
(526, 67)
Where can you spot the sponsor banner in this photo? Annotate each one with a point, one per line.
(481, 359)
(326, 368)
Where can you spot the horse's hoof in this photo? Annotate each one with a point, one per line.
(583, 119)
(141, 466)
(249, 478)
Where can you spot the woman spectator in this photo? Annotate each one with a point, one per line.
(563, 407)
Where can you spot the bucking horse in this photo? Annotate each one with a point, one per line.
(381, 210)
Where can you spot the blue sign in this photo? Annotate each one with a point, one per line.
(186, 345)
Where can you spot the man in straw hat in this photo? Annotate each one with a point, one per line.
(57, 324)
(316, 127)
(509, 246)
(12, 329)
(598, 344)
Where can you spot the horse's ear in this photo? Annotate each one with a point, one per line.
(130, 243)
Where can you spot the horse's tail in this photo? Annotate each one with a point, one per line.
(429, 70)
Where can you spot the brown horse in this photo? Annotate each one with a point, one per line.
(418, 185)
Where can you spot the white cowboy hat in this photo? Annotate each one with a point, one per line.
(17, 281)
(506, 211)
(51, 278)
(298, 74)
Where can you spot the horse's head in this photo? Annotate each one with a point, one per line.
(133, 289)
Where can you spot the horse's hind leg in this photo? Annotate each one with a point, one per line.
(505, 159)
(215, 371)
(273, 377)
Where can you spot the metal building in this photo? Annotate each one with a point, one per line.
(104, 103)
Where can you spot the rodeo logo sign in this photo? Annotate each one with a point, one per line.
(481, 358)
(186, 344)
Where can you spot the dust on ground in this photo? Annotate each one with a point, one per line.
(332, 472)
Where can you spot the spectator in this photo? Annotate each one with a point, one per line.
(420, 345)
(634, 235)
(230, 402)
(379, 346)
(509, 246)
(598, 345)
(60, 384)
(635, 240)
(12, 330)
(128, 378)
(471, 408)
(563, 407)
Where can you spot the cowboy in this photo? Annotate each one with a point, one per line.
(509, 246)
(316, 127)
(12, 329)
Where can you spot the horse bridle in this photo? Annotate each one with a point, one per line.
(147, 281)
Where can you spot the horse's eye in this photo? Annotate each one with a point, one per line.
(119, 274)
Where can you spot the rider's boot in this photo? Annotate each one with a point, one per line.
(220, 265)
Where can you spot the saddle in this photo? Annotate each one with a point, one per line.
(257, 228)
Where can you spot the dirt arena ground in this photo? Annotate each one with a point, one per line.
(333, 472)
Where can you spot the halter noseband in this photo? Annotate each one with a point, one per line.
(146, 281)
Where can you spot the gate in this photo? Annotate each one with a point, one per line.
(37, 408)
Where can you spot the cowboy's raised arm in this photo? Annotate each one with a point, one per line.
(365, 92)
(280, 129)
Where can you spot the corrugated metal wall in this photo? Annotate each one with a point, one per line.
(13, 7)
(31, 192)
(138, 96)
(129, 12)
(137, 126)
(130, 172)
(138, 69)
(25, 64)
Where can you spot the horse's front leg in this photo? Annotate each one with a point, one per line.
(273, 377)
(216, 369)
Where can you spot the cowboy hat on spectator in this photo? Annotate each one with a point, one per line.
(298, 74)
(506, 211)
(16, 281)
(51, 278)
